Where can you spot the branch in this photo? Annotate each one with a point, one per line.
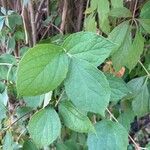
(60, 97)
(64, 14)
(18, 120)
(79, 21)
(148, 74)
(32, 22)
(48, 11)
(24, 24)
(38, 11)
(135, 6)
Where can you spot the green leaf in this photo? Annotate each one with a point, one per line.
(109, 135)
(148, 146)
(87, 87)
(41, 70)
(6, 69)
(19, 35)
(3, 72)
(29, 145)
(2, 20)
(4, 97)
(2, 87)
(118, 34)
(141, 102)
(145, 11)
(11, 43)
(90, 23)
(7, 58)
(120, 57)
(12, 20)
(118, 87)
(126, 118)
(3, 111)
(61, 146)
(135, 85)
(21, 111)
(135, 51)
(8, 143)
(145, 23)
(141, 96)
(34, 101)
(117, 3)
(88, 46)
(74, 119)
(44, 126)
(103, 11)
(120, 12)
(72, 145)
(94, 4)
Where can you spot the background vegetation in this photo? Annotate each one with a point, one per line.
(25, 23)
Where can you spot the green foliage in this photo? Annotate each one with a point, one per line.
(89, 84)
(145, 11)
(118, 87)
(41, 61)
(117, 3)
(136, 50)
(88, 46)
(141, 98)
(44, 126)
(127, 116)
(28, 144)
(120, 57)
(109, 135)
(86, 90)
(3, 111)
(120, 12)
(118, 34)
(74, 119)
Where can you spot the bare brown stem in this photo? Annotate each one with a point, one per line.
(134, 11)
(32, 22)
(79, 21)
(48, 11)
(64, 14)
(38, 11)
(24, 24)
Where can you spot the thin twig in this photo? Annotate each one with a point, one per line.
(45, 32)
(48, 10)
(60, 31)
(144, 68)
(38, 11)
(7, 128)
(64, 14)
(20, 135)
(60, 97)
(79, 20)
(24, 24)
(32, 22)
(133, 15)
(87, 5)
(135, 6)
(48, 30)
